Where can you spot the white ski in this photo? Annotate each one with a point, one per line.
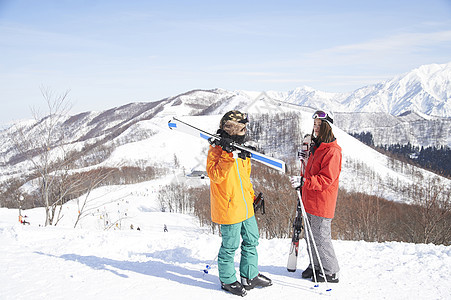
(176, 124)
(297, 231)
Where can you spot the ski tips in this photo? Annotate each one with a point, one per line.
(171, 124)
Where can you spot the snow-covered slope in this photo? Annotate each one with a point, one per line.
(90, 263)
(309, 97)
(410, 127)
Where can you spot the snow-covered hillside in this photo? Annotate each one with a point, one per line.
(90, 263)
(410, 127)
(166, 144)
(140, 137)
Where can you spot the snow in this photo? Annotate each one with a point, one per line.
(91, 263)
(95, 260)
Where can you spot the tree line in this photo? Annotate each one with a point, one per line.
(358, 216)
(435, 159)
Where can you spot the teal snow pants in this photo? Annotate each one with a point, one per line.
(248, 230)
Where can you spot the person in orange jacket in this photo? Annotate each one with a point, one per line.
(319, 195)
(232, 197)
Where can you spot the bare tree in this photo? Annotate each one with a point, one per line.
(42, 146)
(49, 158)
(431, 221)
(87, 182)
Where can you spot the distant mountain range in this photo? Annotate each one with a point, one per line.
(425, 90)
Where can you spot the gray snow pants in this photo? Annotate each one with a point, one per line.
(321, 231)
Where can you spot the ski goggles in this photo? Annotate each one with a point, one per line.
(319, 114)
(244, 120)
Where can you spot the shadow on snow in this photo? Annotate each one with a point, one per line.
(167, 270)
(163, 264)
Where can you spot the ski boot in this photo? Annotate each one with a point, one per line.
(258, 281)
(235, 288)
(308, 273)
(330, 278)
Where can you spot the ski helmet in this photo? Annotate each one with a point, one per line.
(232, 122)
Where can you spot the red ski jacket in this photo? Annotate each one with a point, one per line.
(320, 190)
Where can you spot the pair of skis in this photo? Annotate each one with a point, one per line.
(298, 226)
(213, 139)
(298, 229)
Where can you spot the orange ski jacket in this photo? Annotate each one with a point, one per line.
(231, 191)
(320, 190)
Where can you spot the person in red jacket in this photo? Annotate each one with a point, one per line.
(319, 195)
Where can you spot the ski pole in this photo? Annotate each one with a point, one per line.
(208, 266)
(308, 227)
(309, 248)
(308, 230)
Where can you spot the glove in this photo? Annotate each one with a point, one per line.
(296, 181)
(224, 142)
(303, 155)
(226, 145)
(241, 154)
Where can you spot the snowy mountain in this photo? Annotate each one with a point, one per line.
(425, 90)
(414, 107)
(309, 97)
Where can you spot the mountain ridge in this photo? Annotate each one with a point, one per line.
(426, 89)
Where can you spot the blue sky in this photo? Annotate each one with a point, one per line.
(110, 53)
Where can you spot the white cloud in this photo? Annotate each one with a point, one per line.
(404, 42)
